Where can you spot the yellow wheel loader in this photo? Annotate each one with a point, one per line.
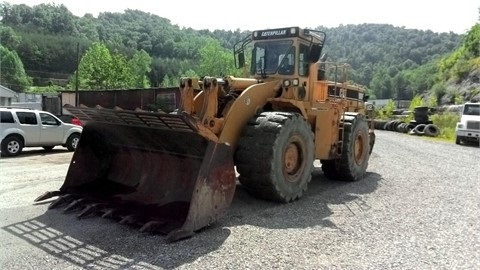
(174, 173)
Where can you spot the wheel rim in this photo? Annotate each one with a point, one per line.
(359, 149)
(13, 147)
(293, 159)
(75, 142)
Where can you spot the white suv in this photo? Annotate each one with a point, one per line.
(21, 128)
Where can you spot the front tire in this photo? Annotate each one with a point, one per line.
(353, 163)
(12, 146)
(275, 156)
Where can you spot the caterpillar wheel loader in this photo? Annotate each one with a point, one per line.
(174, 173)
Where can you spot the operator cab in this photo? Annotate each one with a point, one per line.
(281, 52)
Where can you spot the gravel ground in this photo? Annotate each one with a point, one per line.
(417, 209)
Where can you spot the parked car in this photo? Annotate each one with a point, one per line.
(23, 127)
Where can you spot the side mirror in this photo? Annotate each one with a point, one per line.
(314, 53)
(241, 59)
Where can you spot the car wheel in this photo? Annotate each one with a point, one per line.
(72, 142)
(12, 146)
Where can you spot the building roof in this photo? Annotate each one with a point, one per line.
(5, 92)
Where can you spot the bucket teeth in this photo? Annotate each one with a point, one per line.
(47, 195)
(152, 226)
(130, 219)
(110, 213)
(89, 209)
(67, 198)
(73, 205)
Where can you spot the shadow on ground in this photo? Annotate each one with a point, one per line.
(37, 151)
(97, 243)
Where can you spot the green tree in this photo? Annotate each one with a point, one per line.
(140, 65)
(12, 73)
(95, 67)
(216, 61)
(9, 38)
(101, 69)
(120, 75)
(167, 82)
(190, 73)
(382, 84)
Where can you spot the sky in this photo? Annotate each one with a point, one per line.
(438, 16)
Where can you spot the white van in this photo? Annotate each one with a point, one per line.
(468, 129)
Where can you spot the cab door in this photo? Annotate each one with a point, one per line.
(51, 130)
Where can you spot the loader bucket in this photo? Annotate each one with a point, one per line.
(159, 172)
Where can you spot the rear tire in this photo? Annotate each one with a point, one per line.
(12, 146)
(275, 156)
(458, 140)
(353, 163)
(72, 142)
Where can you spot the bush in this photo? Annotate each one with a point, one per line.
(446, 122)
(387, 111)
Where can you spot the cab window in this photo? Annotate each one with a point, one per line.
(287, 62)
(268, 56)
(303, 60)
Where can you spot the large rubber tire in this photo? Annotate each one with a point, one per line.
(275, 156)
(72, 141)
(431, 130)
(12, 146)
(419, 129)
(352, 164)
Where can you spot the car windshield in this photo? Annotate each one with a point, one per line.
(471, 109)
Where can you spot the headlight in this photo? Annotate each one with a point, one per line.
(459, 125)
(369, 107)
(286, 83)
(295, 82)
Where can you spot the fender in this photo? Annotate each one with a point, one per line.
(71, 131)
(249, 103)
(13, 131)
